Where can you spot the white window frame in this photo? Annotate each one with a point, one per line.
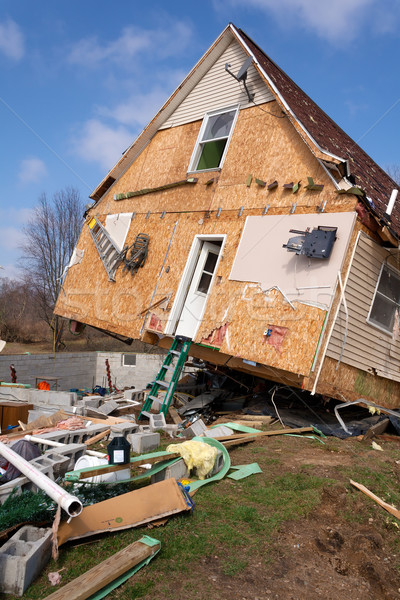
(377, 292)
(123, 359)
(198, 148)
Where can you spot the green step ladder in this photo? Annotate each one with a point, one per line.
(174, 362)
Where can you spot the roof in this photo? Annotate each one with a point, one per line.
(365, 172)
(323, 133)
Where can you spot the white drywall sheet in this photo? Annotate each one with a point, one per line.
(261, 259)
(118, 226)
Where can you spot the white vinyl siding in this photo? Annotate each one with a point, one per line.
(367, 347)
(218, 89)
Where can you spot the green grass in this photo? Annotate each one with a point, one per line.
(234, 523)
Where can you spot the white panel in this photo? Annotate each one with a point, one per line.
(218, 89)
(118, 226)
(261, 258)
(366, 347)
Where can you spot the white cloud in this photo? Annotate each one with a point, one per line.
(31, 170)
(11, 40)
(10, 237)
(138, 110)
(163, 42)
(101, 143)
(337, 21)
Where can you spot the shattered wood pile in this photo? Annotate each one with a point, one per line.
(128, 481)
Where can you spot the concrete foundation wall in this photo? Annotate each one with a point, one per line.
(80, 369)
(139, 375)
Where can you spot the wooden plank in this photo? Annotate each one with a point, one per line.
(174, 415)
(104, 573)
(98, 437)
(240, 436)
(101, 470)
(376, 429)
(391, 509)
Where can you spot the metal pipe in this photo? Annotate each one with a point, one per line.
(72, 505)
(39, 440)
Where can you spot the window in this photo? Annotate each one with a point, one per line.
(386, 301)
(212, 143)
(129, 360)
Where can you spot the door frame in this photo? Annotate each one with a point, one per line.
(187, 275)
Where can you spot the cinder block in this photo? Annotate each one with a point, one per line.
(69, 453)
(60, 462)
(156, 421)
(23, 483)
(144, 442)
(108, 407)
(23, 557)
(178, 470)
(219, 431)
(196, 428)
(123, 429)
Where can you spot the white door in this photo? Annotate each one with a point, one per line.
(193, 308)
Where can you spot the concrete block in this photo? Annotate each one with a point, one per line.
(178, 470)
(23, 483)
(196, 428)
(23, 557)
(141, 443)
(156, 421)
(123, 429)
(108, 407)
(69, 453)
(219, 431)
(92, 401)
(60, 462)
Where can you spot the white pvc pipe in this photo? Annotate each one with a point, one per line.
(39, 440)
(391, 202)
(72, 505)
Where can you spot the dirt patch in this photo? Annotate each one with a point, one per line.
(319, 557)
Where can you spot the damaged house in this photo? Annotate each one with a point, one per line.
(245, 219)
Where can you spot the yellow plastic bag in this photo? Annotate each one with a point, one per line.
(196, 455)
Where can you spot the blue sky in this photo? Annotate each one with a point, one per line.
(80, 80)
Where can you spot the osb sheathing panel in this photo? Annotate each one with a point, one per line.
(250, 313)
(347, 383)
(262, 145)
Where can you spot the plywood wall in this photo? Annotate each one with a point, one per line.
(263, 145)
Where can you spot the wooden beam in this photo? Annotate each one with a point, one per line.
(98, 437)
(391, 509)
(240, 436)
(107, 571)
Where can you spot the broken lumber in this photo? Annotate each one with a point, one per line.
(391, 509)
(98, 437)
(376, 429)
(107, 571)
(242, 436)
(174, 415)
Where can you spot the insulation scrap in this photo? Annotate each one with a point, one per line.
(275, 336)
(197, 455)
(216, 336)
(68, 424)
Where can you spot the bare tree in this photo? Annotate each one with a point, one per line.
(50, 237)
(394, 172)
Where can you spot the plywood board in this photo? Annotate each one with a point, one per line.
(299, 278)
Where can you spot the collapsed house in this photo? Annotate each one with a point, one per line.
(244, 219)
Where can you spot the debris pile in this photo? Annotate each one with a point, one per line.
(130, 480)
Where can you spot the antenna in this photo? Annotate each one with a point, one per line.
(242, 75)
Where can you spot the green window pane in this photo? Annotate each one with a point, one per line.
(211, 155)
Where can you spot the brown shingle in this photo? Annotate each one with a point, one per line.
(330, 137)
